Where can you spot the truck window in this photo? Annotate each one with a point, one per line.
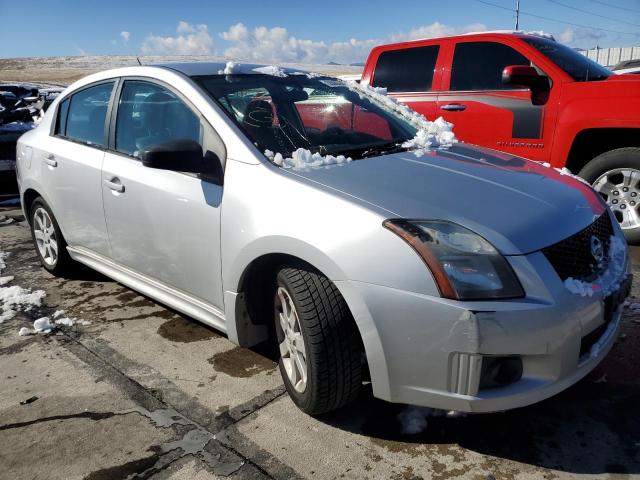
(479, 65)
(406, 70)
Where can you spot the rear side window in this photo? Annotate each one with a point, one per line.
(406, 70)
(81, 117)
(479, 65)
(61, 122)
(149, 114)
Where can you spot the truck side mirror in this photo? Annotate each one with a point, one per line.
(525, 76)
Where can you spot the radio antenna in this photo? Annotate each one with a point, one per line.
(139, 62)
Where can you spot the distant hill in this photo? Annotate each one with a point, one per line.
(65, 70)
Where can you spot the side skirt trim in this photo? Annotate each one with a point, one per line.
(163, 293)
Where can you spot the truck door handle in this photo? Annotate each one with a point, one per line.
(115, 185)
(50, 160)
(453, 107)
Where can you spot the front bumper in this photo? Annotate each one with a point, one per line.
(428, 351)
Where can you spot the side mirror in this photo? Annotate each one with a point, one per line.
(184, 156)
(525, 76)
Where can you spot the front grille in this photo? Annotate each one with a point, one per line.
(572, 256)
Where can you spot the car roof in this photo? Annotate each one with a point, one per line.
(627, 64)
(480, 35)
(195, 69)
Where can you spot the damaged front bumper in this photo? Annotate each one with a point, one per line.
(437, 352)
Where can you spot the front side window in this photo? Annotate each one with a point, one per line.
(479, 65)
(149, 114)
(324, 115)
(81, 117)
(406, 70)
(579, 67)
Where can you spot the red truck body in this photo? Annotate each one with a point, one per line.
(574, 122)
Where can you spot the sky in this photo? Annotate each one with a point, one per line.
(314, 31)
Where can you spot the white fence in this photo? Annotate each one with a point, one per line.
(610, 56)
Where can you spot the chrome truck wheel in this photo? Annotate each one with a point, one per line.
(621, 190)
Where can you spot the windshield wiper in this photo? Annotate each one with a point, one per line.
(393, 146)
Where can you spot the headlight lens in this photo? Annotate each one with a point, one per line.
(464, 265)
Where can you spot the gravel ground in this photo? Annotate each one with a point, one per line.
(144, 392)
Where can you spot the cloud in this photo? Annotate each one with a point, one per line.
(125, 36)
(437, 29)
(276, 45)
(581, 36)
(191, 40)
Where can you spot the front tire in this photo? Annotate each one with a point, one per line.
(615, 175)
(319, 343)
(48, 240)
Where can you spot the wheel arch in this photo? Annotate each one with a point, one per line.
(591, 142)
(248, 309)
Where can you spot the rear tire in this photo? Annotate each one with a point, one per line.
(309, 309)
(48, 240)
(610, 174)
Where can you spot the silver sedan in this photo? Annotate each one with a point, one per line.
(359, 238)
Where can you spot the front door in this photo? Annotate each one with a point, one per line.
(408, 75)
(161, 223)
(486, 112)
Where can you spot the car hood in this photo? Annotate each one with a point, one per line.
(518, 205)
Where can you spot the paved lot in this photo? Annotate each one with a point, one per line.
(143, 392)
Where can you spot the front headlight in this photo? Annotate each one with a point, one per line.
(464, 265)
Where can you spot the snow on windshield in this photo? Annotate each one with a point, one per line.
(303, 158)
(438, 133)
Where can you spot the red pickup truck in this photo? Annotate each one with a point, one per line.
(530, 96)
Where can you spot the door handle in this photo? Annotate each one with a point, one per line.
(50, 160)
(453, 107)
(115, 185)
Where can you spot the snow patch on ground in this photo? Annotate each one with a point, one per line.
(303, 158)
(271, 70)
(43, 325)
(6, 220)
(609, 280)
(14, 298)
(67, 322)
(413, 419)
(24, 331)
(3, 255)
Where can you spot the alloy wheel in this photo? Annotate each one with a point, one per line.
(621, 190)
(45, 235)
(292, 349)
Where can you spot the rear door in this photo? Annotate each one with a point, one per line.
(162, 224)
(486, 112)
(71, 166)
(409, 75)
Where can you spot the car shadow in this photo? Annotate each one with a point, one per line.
(591, 428)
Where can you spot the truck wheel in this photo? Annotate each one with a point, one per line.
(320, 346)
(48, 240)
(616, 176)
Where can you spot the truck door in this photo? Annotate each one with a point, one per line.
(487, 112)
(408, 76)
